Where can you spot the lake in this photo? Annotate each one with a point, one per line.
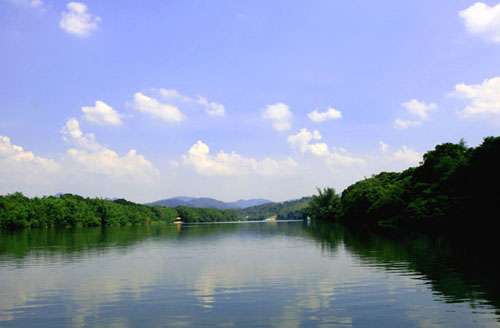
(289, 274)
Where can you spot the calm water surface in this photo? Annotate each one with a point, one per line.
(240, 275)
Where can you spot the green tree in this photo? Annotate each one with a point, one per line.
(325, 205)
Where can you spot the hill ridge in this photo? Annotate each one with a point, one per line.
(208, 202)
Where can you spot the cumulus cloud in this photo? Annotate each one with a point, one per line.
(387, 159)
(92, 157)
(305, 142)
(341, 157)
(156, 109)
(302, 141)
(233, 164)
(91, 168)
(17, 154)
(280, 116)
(77, 20)
(211, 108)
(87, 168)
(72, 133)
(21, 169)
(330, 114)
(402, 156)
(407, 155)
(107, 162)
(101, 114)
(483, 99)
(418, 109)
(482, 20)
(405, 124)
(173, 94)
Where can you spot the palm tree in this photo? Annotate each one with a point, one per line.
(326, 205)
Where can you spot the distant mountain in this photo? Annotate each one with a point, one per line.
(205, 202)
(244, 203)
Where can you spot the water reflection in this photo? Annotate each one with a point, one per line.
(285, 274)
(458, 270)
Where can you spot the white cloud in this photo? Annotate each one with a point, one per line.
(173, 94)
(280, 116)
(343, 162)
(484, 99)
(407, 155)
(16, 154)
(22, 170)
(483, 20)
(302, 141)
(404, 155)
(156, 109)
(405, 124)
(101, 114)
(87, 168)
(93, 169)
(92, 157)
(323, 165)
(383, 147)
(72, 133)
(211, 108)
(109, 163)
(330, 114)
(419, 109)
(341, 157)
(77, 20)
(233, 164)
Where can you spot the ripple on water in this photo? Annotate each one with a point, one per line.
(237, 275)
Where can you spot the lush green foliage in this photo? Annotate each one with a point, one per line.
(325, 205)
(375, 199)
(191, 214)
(453, 185)
(18, 211)
(290, 210)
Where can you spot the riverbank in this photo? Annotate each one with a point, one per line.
(453, 190)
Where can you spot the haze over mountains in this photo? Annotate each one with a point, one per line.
(206, 202)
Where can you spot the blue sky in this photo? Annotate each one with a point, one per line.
(237, 99)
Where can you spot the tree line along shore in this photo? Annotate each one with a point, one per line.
(67, 210)
(455, 187)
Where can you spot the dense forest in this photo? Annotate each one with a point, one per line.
(455, 188)
(289, 210)
(67, 210)
(192, 214)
